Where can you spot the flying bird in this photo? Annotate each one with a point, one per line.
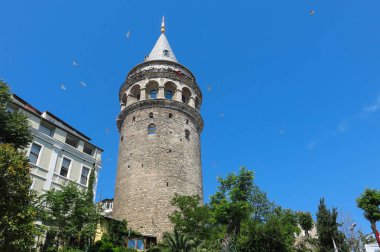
(83, 84)
(128, 34)
(63, 87)
(209, 88)
(312, 12)
(75, 63)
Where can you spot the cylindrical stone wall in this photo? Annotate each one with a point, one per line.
(153, 168)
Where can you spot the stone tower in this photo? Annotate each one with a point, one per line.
(159, 148)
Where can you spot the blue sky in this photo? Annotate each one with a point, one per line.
(294, 97)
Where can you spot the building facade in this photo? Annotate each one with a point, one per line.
(159, 147)
(59, 153)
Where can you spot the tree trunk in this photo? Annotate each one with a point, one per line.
(375, 232)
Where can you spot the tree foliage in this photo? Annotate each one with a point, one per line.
(70, 216)
(239, 218)
(306, 221)
(327, 228)
(16, 201)
(14, 126)
(230, 205)
(275, 234)
(178, 242)
(117, 232)
(190, 217)
(369, 202)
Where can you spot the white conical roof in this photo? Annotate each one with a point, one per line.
(161, 50)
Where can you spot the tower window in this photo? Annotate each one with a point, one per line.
(187, 134)
(151, 115)
(166, 53)
(187, 121)
(170, 115)
(153, 94)
(151, 129)
(133, 118)
(168, 94)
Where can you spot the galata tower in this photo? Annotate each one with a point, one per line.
(159, 147)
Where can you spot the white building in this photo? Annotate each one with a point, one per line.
(373, 247)
(106, 206)
(59, 153)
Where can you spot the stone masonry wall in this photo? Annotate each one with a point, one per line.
(152, 168)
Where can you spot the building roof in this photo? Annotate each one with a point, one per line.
(46, 115)
(162, 49)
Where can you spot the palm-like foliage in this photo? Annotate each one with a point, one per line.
(178, 242)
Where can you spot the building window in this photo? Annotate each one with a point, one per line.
(187, 134)
(65, 167)
(11, 108)
(136, 243)
(153, 94)
(46, 129)
(168, 94)
(72, 140)
(32, 185)
(187, 121)
(151, 129)
(134, 119)
(166, 53)
(170, 115)
(88, 149)
(84, 175)
(151, 115)
(34, 153)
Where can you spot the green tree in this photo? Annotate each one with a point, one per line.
(327, 228)
(306, 221)
(117, 232)
(275, 234)
(178, 242)
(190, 217)
(16, 201)
(70, 215)
(14, 126)
(369, 202)
(17, 229)
(261, 207)
(230, 205)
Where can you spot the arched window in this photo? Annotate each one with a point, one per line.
(186, 94)
(124, 100)
(153, 94)
(151, 129)
(170, 89)
(135, 93)
(187, 134)
(168, 94)
(196, 102)
(170, 115)
(151, 115)
(151, 90)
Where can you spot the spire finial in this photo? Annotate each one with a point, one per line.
(163, 25)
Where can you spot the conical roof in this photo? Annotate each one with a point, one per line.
(162, 50)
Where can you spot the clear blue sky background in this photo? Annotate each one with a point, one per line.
(294, 97)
